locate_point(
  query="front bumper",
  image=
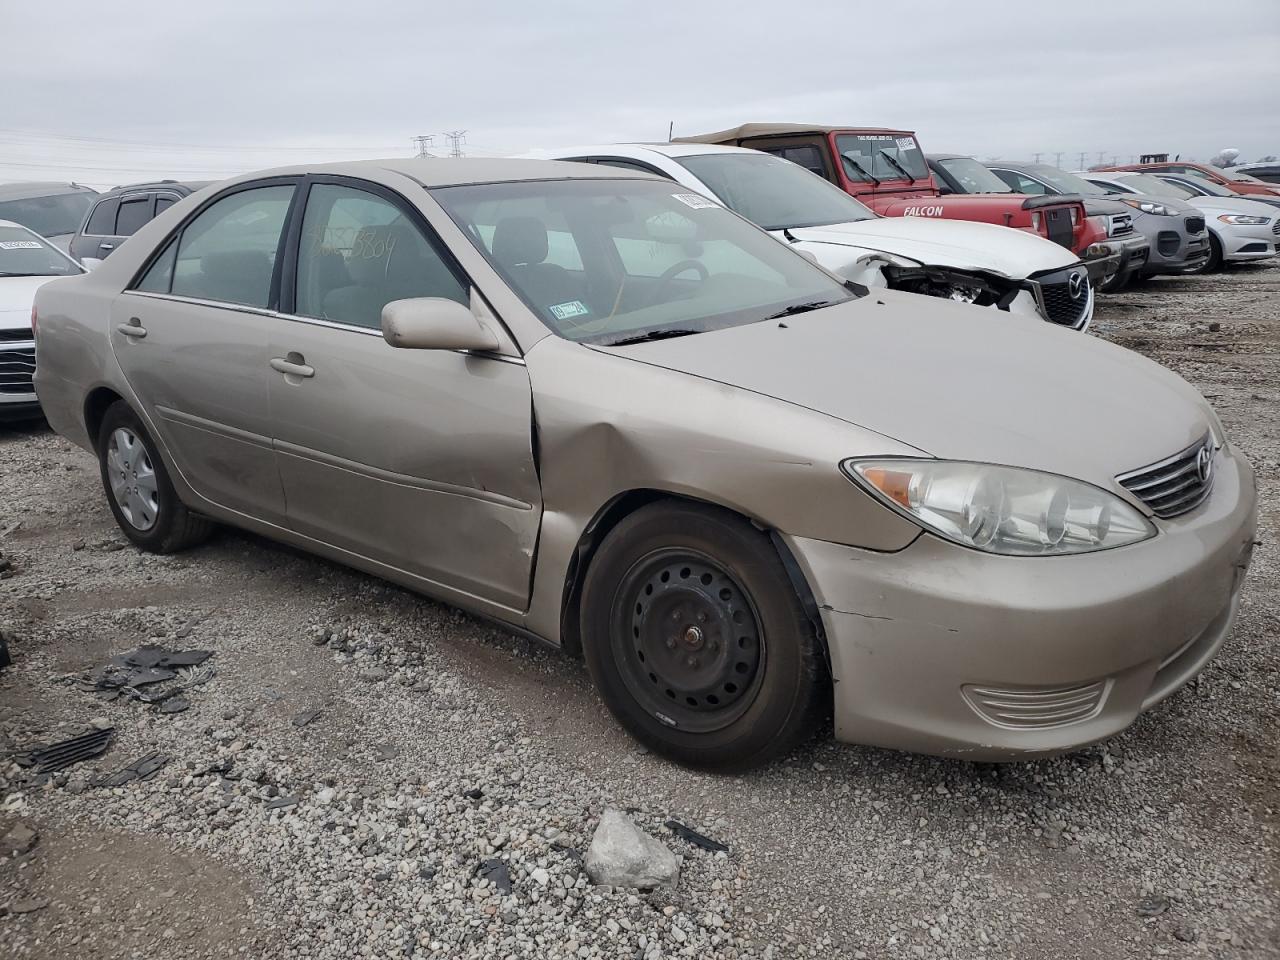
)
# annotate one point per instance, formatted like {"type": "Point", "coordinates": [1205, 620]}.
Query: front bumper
{"type": "Point", "coordinates": [1175, 251]}
{"type": "Point", "coordinates": [1110, 257]}
{"type": "Point", "coordinates": [944, 650]}
{"type": "Point", "coordinates": [1244, 242]}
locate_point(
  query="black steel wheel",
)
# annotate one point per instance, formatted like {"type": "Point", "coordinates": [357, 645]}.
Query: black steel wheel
{"type": "Point", "coordinates": [697, 641]}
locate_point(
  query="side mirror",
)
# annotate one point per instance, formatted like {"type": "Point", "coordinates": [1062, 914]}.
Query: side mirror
{"type": "Point", "coordinates": [90, 263]}
{"type": "Point", "coordinates": [433, 323]}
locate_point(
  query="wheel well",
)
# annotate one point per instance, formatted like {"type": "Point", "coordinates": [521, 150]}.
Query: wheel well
{"type": "Point", "coordinates": [611, 514]}
{"type": "Point", "coordinates": [95, 408]}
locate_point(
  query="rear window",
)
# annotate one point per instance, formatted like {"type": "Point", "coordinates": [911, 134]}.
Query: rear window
{"type": "Point", "coordinates": [52, 216]}
{"type": "Point", "coordinates": [102, 222]}
{"type": "Point", "coordinates": [134, 213]}
{"type": "Point", "coordinates": [885, 156]}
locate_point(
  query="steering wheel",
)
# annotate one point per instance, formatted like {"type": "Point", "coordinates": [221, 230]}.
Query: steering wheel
{"type": "Point", "coordinates": [674, 271]}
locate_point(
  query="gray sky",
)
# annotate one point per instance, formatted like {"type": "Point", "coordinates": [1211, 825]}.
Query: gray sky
{"type": "Point", "coordinates": [107, 93]}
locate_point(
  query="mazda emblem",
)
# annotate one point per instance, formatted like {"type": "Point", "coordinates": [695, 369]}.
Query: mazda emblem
{"type": "Point", "coordinates": [1075, 285]}
{"type": "Point", "coordinates": [1204, 463]}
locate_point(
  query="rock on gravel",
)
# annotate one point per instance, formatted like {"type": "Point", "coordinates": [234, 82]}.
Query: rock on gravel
{"type": "Point", "coordinates": [623, 855]}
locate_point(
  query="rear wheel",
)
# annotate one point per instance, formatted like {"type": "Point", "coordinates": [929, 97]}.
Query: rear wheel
{"type": "Point", "coordinates": [697, 640]}
{"type": "Point", "coordinates": [138, 488]}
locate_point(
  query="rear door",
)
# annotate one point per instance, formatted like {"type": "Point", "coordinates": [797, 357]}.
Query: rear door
{"type": "Point", "coordinates": [191, 338]}
{"type": "Point", "coordinates": [99, 229]}
{"type": "Point", "coordinates": [419, 459]}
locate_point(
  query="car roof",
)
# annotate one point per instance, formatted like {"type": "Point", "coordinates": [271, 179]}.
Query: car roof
{"type": "Point", "coordinates": [623, 149]}
{"type": "Point", "coordinates": [1012, 164]}
{"type": "Point", "coordinates": [455, 171]}
{"type": "Point", "coordinates": [26, 189]}
{"type": "Point", "coordinates": [950, 156]}
{"type": "Point", "coordinates": [781, 129]}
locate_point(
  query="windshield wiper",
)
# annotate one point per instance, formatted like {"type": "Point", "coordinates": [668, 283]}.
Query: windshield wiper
{"type": "Point", "coordinates": [649, 335]}
{"type": "Point", "coordinates": [866, 174]}
{"type": "Point", "coordinates": [800, 308]}
{"type": "Point", "coordinates": [6, 273]}
{"type": "Point", "coordinates": [892, 159]}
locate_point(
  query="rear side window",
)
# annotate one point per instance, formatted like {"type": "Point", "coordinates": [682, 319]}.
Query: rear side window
{"type": "Point", "coordinates": [228, 252]}
{"type": "Point", "coordinates": [358, 252]}
{"type": "Point", "coordinates": [624, 164]}
{"type": "Point", "coordinates": [134, 214]}
{"type": "Point", "coordinates": [102, 222]}
{"type": "Point", "coordinates": [164, 203]}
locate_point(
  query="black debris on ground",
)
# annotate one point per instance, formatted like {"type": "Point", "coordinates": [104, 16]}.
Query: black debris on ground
{"type": "Point", "coordinates": [694, 837]}
{"type": "Point", "coordinates": [5, 657]}
{"type": "Point", "coordinates": [44, 760]}
{"type": "Point", "coordinates": [305, 717]}
{"type": "Point", "coordinates": [497, 873]}
{"type": "Point", "coordinates": [142, 769]}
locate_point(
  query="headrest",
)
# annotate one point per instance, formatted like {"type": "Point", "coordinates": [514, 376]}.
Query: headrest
{"type": "Point", "coordinates": [520, 240]}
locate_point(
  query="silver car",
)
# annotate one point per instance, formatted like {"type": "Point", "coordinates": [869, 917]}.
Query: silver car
{"type": "Point", "coordinates": [747, 492]}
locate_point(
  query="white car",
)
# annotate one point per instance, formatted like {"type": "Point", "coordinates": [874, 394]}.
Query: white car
{"type": "Point", "coordinates": [971, 262]}
{"type": "Point", "coordinates": [1240, 229]}
{"type": "Point", "coordinates": [27, 262]}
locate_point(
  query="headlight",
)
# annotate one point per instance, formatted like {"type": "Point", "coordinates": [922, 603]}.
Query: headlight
{"type": "Point", "coordinates": [1240, 219]}
{"type": "Point", "coordinates": [1004, 510]}
{"type": "Point", "coordinates": [1150, 206]}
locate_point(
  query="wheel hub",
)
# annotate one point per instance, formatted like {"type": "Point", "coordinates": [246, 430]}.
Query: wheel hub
{"type": "Point", "coordinates": [691, 645]}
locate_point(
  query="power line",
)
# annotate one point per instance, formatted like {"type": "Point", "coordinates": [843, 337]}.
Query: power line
{"type": "Point", "coordinates": [155, 144]}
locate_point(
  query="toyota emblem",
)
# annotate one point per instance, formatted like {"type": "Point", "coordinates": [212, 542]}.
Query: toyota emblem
{"type": "Point", "coordinates": [1075, 285]}
{"type": "Point", "coordinates": [1204, 463]}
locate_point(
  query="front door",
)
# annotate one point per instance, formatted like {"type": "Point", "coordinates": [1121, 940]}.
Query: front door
{"type": "Point", "coordinates": [419, 459]}
{"type": "Point", "coordinates": [191, 339]}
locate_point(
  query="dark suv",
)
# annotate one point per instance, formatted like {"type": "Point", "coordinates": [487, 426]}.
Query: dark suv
{"type": "Point", "coordinates": [122, 211]}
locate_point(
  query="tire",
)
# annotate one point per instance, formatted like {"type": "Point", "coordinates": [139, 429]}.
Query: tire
{"type": "Point", "coordinates": [1214, 263]}
{"type": "Point", "coordinates": [697, 641]}
{"type": "Point", "coordinates": [138, 488]}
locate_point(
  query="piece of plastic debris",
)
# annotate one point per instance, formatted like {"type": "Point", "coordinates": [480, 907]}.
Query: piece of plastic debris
{"type": "Point", "coordinates": [694, 837]}
{"type": "Point", "coordinates": [175, 705]}
{"type": "Point", "coordinates": [305, 717]}
{"type": "Point", "coordinates": [142, 769]}
{"type": "Point", "coordinates": [280, 803]}
{"type": "Point", "coordinates": [496, 872]}
{"type": "Point", "coordinates": [475, 793]}
{"type": "Point", "coordinates": [59, 756]}
{"type": "Point", "coordinates": [1152, 906]}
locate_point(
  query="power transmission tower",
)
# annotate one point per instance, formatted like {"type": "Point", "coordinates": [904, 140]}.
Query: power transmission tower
{"type": "Point", "coordinates": [1038, 156]}
{"type": "Point", "coordinates": [456, 138]}
{"type": "Point", "coordinates": [1081, 167]}
{"type": "Point", "coordinates": [1057, 159]}
{"type": "Point", "coordinates": [423, 142]}
{"type": "Point", "coordinates": [1102, 154]}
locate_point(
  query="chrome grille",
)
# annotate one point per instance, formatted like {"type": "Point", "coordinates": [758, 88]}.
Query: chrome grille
{"type": "Point", "coordinates": [16, 368]}
{"type": "Point", "coordinates": [1119, 224]}
{"type": "Point", "coordinates": [1275, 227]}
{"type": "Point", "coordinates": [1036, 708]}
{"type": "Point", "coordinates": [18, 335]}
{"type": "Point", "coordinates": [1057, 305]}
{"type": "Point", "coordinates": [1176, 484]}
{"type": "Point", "coordinates": [1195, 224]}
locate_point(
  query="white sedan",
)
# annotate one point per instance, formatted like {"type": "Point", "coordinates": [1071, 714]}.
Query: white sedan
{"type": "Point", "coordinates": [27, 262]}
{"type": "Point", "coordinates": [978, 263]}
{"type": "Point", "coordinates": [1240, 229]}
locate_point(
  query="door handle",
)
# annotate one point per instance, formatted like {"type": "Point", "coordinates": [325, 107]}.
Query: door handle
{"type": "Point", "coordinates": [106, 246]}
{"type": "Point", "coordinates": [292, 366]}
{"type": "Point", "coordinates": [133, 328]}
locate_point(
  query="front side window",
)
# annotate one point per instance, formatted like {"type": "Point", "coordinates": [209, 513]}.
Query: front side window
{"type": "Point", "coordinates": [134, 214]}
{"type": "Point", "coordinates": [887, 156]}
{"type": "Point", "coordinates": [611, 261]}
{"type": "Point", "coordinates": [358, 253]}
{"type": "Point", "coordinates": [228, 252]}
{"type": "Point", "coordinates": [51, 216]}
{"type": "Point", "coordinates": [23, 254]}
{"type": "Point", "coordinates": [972, 176]}
{"type": "Point", "coordinates": [1063, 182]}
{"type": "Point", "coordinates": [1154, 186]}
{"type": "Point", "coordinates": [1021, 184]}
{"type": "Point", "coordinates": [772, 192]}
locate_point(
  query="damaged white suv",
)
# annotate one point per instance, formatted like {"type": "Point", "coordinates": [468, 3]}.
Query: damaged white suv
{"type": "Point", "coordinates": [979, 263]}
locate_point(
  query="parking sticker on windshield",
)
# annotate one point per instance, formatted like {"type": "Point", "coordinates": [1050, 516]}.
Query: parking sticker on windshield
{"type": "Point", "coordinates": [569, 310]}
{"type": "Point", "coordinates": [19, 245]}
{"type": "Point", "coordinates": [694, 200]}
{"type": "Point", "coordinates": [906, 143]}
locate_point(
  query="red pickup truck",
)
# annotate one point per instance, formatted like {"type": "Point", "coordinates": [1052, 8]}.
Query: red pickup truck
{"type": "Point", "coordinates": [886, 170]}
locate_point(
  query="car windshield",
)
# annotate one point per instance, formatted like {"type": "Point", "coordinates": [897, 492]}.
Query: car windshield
{"type": "Point", "coordinates": [1202, 186]}
{"type": "Point", "coordinates": [773, 193]}
{"type": "Point", "coordinates": [611, 261]}
{"type": "Point", "coordinates": [889, 156]}
{"type": "Point", "coordinates": [1062, 181]}
{"type": "Point", "coordinates": [1154, 186]}
{"type": "Point", "coordinates": [23, 254]}
{"type": "Point", "coordinates": [973, 177]}
{"type": "Point", "coordinates": [51, 216]}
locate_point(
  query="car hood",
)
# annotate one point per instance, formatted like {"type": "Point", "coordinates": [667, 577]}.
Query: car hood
{"type": "Point", "coordinates": [957, 382]}
{"type": "Point", "coordinates": [16, 294]}
{"type": "Point", "coordinates": [959, 244]}
{"type": "Point", "coordinates": [1243, 205]}
{"type": "Point", "coordinates": [1101, 206]}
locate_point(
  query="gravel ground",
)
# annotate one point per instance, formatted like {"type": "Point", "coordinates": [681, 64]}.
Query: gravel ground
{"type": "Point", "coordinates": [441, 743]}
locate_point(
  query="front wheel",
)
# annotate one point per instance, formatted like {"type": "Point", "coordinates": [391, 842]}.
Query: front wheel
{"type": "Point", "coordinates": [138, 488]}
{"type": "Point", "coordinates": [697, 641]}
